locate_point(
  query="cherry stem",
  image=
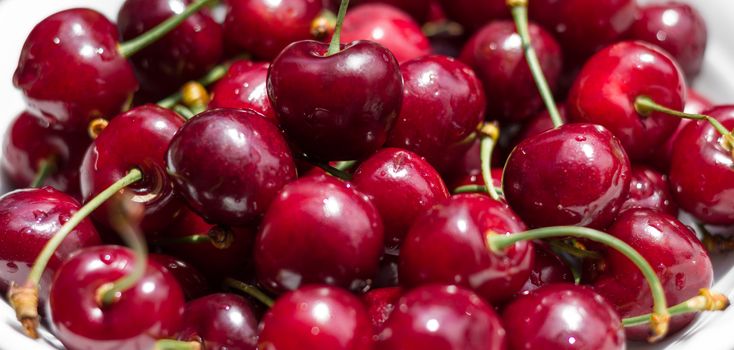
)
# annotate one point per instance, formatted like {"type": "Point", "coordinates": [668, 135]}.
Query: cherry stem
{"type": "Point", "coordinates": [345, 165]}
{"type": "Point", "coordinates": [705, 301]}
{"type": "Point", "coordinates": [183, 111]}
{"type": "Point", "coordinates": [170, 344]}
{"type": "Point", "coordinates": [474, 189]}
{"type": "Point", "coordinates": [210, 78]}
{"type": "Point", "coordinates": [46, 167]}
{"type": "Point", "coordinates": [490, 133]}
{"type": "Point", "coordinates": [573, 249]}
{"type": "Point", "coordinates": [519, 9]}
{"type": "Point", "coordinates": [249, 290]}
{"type": "Point", "coordinates": [192, 239]}
{"type": "Point", "coordinates": [326, 167]}
{"type": "Point", "coordinates": [659, 319]}
{"type": "Point", "coordinates": [133, 46]}
{"type": "Point", "coordinates": [335, 44]}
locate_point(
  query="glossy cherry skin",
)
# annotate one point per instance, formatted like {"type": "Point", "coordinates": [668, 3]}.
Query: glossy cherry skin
{"type": "Point", "coordinates": [548, 269]}
{"type": "Point", "coordinates": [707, 192]}
{"type": "Point", "coordinates": [443, 103]}
{"type": "Point", "coordinates": [220, 322]}
{"type": "Point", "coordinates": [474, 14]}
{"type": "Point", "coordinates": [316, 317]}
{"type": "Point", "coordinates": [672, 249]}
{"type": "Point", "coordinates": [419, 9]}
{"type": "Point", "coordinates": [244, 87]}
{"type": "Point", "coordinates": [625, 71]}
{"type": "Point", "coordinates": [229, 164]}
{"type": "Point", "coordinates": [155, 302]}
{"type": "Point", "coordinates": [650, 189]}
{"type": "Point", "coordinates": [319, 230]}
{"type": "Point", "coordinates": [71, 72]}
{"type": "Point", "coordinates": [264, 28]}
{"type": "Point", "coordinates": [193, 283]}
{"type": "Point", "coordinates": [402, 186]}
{"type": "Point", "coordinates": [28, 220]}
{"type": "Point", "coordinates": [27, 143]}
{"type": "Point", "coordinates": [448, 245]}
{"type": "Point", "coordinates": [577, 174]}
{"type": "Point", "coordinates": [678, 29]}
{"type": "Point", "coordinates": [495, 52]}
{"type": "Point", "coordinates": [186, 53]}
{"type": "Point", "coordinates": [336, 107]}
{"type": "Point", "coordinates": [380, 303]}
{"type": "Point", "coordinates": [135, 139]}
{"type": "Point", "coordinates": [387, 26]}
{"type": "Point", "coordinates": [563, 316]}
{"type": "Point", "coordinates": [440, 317]}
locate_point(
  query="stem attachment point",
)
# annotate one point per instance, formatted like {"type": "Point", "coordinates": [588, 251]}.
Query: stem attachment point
{"type": "Point", "coordinates": [24, 300]}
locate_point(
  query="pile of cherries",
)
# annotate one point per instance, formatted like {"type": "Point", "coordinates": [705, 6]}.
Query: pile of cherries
{"type": "Point", "coordinates": [297, 176]}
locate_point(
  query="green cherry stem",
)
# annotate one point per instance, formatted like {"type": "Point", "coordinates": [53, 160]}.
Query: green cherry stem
{"type": "Point", "coordinates": [704, 301]}
{"type": "Point", "coordinates": [133, 46]}
{"type": "Point", "coordinates": [249, 290]}
{"type": "Point", "coordinates": [325, 167]}
{"type": "Point", "coordinates": [490, 133]}
{"type": "Point", "coordinates": [170, 344]}
{"type": "Point", "coordinates": [183, 111]}
{"type": "Point", "coordinates": [210, 78]}
{"type": "Point", "coordinates": [345, 165]}
{"type": "Point", "coordinates": [218, 236]}
{"type": "Point", "coordinates": [659, 319]}
{"type": "Point", "coordinates": [335, 44]}
{"type": "Point", "coordinates": [473, 189]}
{"type": "Point", "coordinates": [519, 9]}
{"type": "Point", "coordinates": [46, 167]}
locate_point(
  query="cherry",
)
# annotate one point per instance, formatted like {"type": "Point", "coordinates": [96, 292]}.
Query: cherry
{"type": "Point", "coordinates": [136, 139]}
{"type": "Point", "coordinates": [447, 245]}
{"type": "Point", "coordinates": [707, 192]}
{"type": "Point", "coordinates": [336, 106]}
{"type": "Point", "coordinates": [389, 27]}
{"type": "Point", "coordinates": [442, 317]}
{"type": "Point", "coordinates": [678, 29]}
{"type": "Point", "coordinates": [496, 53]}
{"type": "Point", "coordinates": [576, 174]}
{"type": "Point", "coordinates": [671, 248]}
{"type": "Point", "coordinates": [650, 189]}
{"type": "Point", "coordinates": [467, 170]}
{"type": "Point", "coordinates": [402, 186]}
{"type": "Point", "coordinates": [264, 27]}
{"type": "Point", "coordinates": [229, 164]}
{"type": "Point", "coordinates": [319, 230]}
{"type": "Point", "coordinates": [28, 144]}
{"type": "Point", "coordinates": [475, 14]}
{"type": "Point", "coordinates": [548, 269]}
{"type": "Point", "coordinates": [192, 282]}
{"type": "Point", "coordinates": [443, 103]}
{"type": "Point", "coordinates": [220, 322]}
{"type": "Point", "coordinates": [316, 317]}
{"type": "Point", "coordinates": [244, 87]}
{"type": "Point", "coordinates": [563, 316]}
{"type": "Point", "coordinates": [184, 54]}
{"type": "Point", "coordinates": [419, 9]}
{"type": "Point", "coordinates": [155, 302]}
{"type": "Point", "coordinates": [380, 303]}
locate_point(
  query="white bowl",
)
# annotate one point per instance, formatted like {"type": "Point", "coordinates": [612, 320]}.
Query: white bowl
{"type": "Point", "coordinates": [710, 331]}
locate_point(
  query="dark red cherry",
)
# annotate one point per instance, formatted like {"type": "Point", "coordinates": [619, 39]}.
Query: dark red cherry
{"type": "Point", "coordinates": [28, 143]}
{"type": "Point", "coordinates": [496, 54]}
{"type": "Point", "coordinates": [316, 317]}
{"type": "Point", "coordinates": [577, 174]}
{"type": "Point", "coordinates": [380, 303]}
{"type": "Point", "coordinates": [186, 53]}
{"type": "Point", "coordinates": [229, 164]}
{"type": "Point", "coordinates": [419, 9]}
{"type": "Point", "coordinates": [548, 269]}
{"type": "Point", "coordinates": [448, 245]}
{"type": "Point", "coordinates": [28, 220]}
{"type": "Point", "coordinates": [439, 317]}
{"type": "Point", "coordinates": [474, 14]}
{"type": "Point", "coordinates": [193, 283]}
{"type": "Point", "coordinates": [650, 189]}
{"type": "Point", "coordinates": [443, 103]}
{"type": "Point", "coordinates": [402, 186]}
{"type": "Point", "coordinates": [135, 139]}
{"type": "Point", "coordinates": [672, 249]}
{"type": "Point", "coordinates": [563, 316]}
{"type": "Point", "coordinates": [319, 230]}
{"type": "Point", "coordinates": [538, 124]}
{"type": "Point", "coordinates": [244, 87]}
{"type": "Point", "coordinates": [70, 69]}
{"type": "Point", "coordinates": [336, 107]}
{"type": "Point", "coordinates": [708, 191]}
{"type": "Point", "coordinates": [387, 26]}
{"type": "Point", "coordinates": [677, 28]}
{"type": "Point", "coordinates": [220, 322]}
{"type": "Point", "coordinates": [155, 302]}
{"type": "Point", "coordinates": [264, 27]}
{"type": "Point", "coordinates": [626, 71]}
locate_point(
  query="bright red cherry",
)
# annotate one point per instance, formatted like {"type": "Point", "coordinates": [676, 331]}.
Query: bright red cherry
{"type": "Point", "coordinates": [441, 317]}
{"type": "Point", "coordinates": [220, 322]}
{"type": "Point", "coordinates": [419, 9]}
{"type": "Point", "coordinates": [650, 189]}
{"type": "Point", "coordinates": [70, 69]}
{"type": "Point", "coordinates": [380, 303]}
{"type": "Point", "coordinates": [336, 107]}
{"type": "Point", "coordinates": [244, 87]}
{"type": "Point", "coordinates": [402, 186]}
{"type": "Point", "coordinates": [229, 164]}
{"type": "Point", "coordinates": [150, 310]}
{"type": "Point", "coordinates": [576, 174]}
{"type": "Point", "coordinates": [443, 103]}
{"type": "Point", "coordinates": [548, 269]}
{"type": "Point", "coordinates": [319, 230]}
{"type": "Point", "coordinates": [496, 54]}
{"type": "Point", "coordinates": [474, 14]}
{"type": "Point", "coordinates": [316, 317]}
{"type": "Point", "coordinates": [563, 316]}
{"type": "Point", "coordinates": [192, 282]}
{"type": "Point", "coordinates": [448, 245]}
{"type": "Point", "coordinates": [672, 249]}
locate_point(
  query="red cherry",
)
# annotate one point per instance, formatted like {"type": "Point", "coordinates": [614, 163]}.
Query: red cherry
{"type": "Point", "coordinates": [650, 189]}
{"type": "Point", "coordinates": [548, 269]}
{"type": "Point", "coordinates": [220, 322]}
{"type": "Point", "coordinates": [192, 282]}
{"type": "Point", "coordinates": [419, 9]}
{"type": "Point", "coordinates": [244, 87]}
{"type": "Point", "coordinates": [380, 303]}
